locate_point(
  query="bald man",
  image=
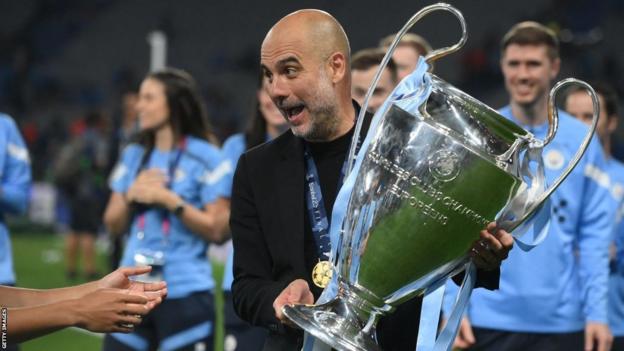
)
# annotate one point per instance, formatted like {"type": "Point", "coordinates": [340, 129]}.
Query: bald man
{"type": "Point", "coordinates": [284, 191]}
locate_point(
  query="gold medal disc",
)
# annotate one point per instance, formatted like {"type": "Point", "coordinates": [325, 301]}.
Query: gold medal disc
{"type": "Point", "coordinates": [322, 274]}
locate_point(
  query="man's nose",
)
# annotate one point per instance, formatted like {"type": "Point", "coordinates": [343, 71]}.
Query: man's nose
{"type": "Point", "coordinates": [277, 89]}
{"type": "Point", "coordinates": [523, 71]}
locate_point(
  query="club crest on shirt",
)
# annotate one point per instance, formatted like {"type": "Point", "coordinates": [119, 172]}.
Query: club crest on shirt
{"type": "Point", "coordinates": [179, 175]}
{"type": "Point", "coordinates": [554, 159]}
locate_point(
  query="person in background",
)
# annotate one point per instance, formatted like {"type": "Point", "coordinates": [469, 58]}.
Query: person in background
{"type": "Point", "coordinates": [165, 189]}
{"type": "Point", "coordinates": [122, 136]}
{"type": "Point", "coordinates": [579, 104]}
{"type": "Point", "coordinates": [364, 66]}
{"type": "Point", "coordinates": [266, 124]}
{"type": "Point", "coordinates": [14, 191]}
{"type": "Point", "coordinates": [555, 296]}
{"type": "Point", "coordinates": [80, 173]}
{"type": "Point", "coordinates": [408, 51]}
{"type": "Point", "coordinates": [115, 303]}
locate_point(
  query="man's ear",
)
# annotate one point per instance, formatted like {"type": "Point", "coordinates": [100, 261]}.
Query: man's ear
{"type": "Point", "coordinates": [554, 69]}
{"type": "Point", "coordinates": [612, 123]}
{"type": "Point", "coordinates": [338, 65]}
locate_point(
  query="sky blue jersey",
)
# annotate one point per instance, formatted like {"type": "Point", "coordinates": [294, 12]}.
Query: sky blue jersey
{"type": "Point", "coordinates": [198, 179]}
{"type": "Point", "coordinates": [233, 147]}
{"type": "Point", "coordinates": [615, 170]}
{"type": "Point", "coordinates": [14, 189]}
{"type": "Point", "coordinates": [562, 283]}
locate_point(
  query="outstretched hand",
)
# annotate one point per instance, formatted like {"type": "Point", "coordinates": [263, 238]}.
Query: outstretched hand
{"type": "Point", "coordinates": [120, 279]}
{"type": "Point", "coordinates": [110, 310]}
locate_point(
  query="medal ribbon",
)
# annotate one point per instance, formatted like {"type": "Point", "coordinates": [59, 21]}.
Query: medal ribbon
{"type": "Point", "coordinates": [315, 205]}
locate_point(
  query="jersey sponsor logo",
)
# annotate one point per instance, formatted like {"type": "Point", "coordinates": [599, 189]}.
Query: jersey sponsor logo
{"type": "Point", "coordinates": [554, 159]}
{"type": "Point", "coordinates": [598, 175]}
{"type": "Point", "coordinates": [223, 169]}
{"type": "Point", "coordinates": [18, 152]}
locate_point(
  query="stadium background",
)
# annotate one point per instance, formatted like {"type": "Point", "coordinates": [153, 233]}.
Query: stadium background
{"type": "Point", "coordinates": [63, 59]}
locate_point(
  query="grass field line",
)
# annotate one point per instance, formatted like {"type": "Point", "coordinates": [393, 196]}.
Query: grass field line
{"type": "Point", "coordinates": [86, 332]}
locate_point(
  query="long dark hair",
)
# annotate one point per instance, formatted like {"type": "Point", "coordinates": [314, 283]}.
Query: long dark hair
{"type": "Point", "coordinates": [187, 112]}
{"type": "Point", "coordinates": [256, 132]}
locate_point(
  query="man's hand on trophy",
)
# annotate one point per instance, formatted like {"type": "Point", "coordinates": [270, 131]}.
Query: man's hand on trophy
{"type": "Point", "coordinates": [297, 292]}
{"type": "Point", "coordinates": [465, 337]}
{"type": "Point", "coordinates": [491, 248]}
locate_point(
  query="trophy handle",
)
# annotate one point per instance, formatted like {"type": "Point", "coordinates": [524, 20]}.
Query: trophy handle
{"type": "Point", "coordinates": [432, 56]}
{"type": "Point", "coordinates": [553, 121]}
{"type": "Point", "coordinates": [534, 153]}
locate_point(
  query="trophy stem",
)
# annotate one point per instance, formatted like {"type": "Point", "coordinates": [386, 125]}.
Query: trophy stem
{"type": "Point", "coordinates": [345, 323]}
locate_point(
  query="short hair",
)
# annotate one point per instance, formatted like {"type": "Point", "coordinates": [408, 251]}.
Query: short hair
{"type": "Point", "coordinates": [367, 58]}
{"type": "Point", "coordinates": [603, 89]}
{"type": "Point", "coordinates": [532, 33]}
{"type": "Point", "coordinates": [415, 41]}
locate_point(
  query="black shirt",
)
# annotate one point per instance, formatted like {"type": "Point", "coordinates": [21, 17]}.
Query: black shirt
{"type": "Point", "coordinates": [329, 158]}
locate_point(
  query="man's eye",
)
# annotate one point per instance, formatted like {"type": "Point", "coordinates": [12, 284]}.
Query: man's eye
{"type": "Point", "coordinates": [290, 71]}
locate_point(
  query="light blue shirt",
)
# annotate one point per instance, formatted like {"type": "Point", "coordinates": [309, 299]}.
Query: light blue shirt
{"type": "Point", "coordinates": [198, 179]}
{"type": "Point", "coordinates": [562, 283]}
{"type": "Point", "coordinates": [14, 188]}
{"type": "Point", "coordinates": [615, 170]}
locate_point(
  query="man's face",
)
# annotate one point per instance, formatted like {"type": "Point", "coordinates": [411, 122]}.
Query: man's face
{"type": "Point", "coordinates": [528, 72]}
{"type": "Point", "coordinates": [579, 104]}
{"type": "Point", "coordinates": [361, 81]}
{"type": "Point", "coordinates": [299, 83]}
{"type": "Point", "coordinates": [406, 59]}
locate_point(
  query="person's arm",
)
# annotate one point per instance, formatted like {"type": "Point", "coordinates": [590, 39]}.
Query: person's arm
{"type": "Point", "coordinates": [594, 237]}
{"type": "Point", "coordinates": [118, 279]}
{"type": "Point", "coordinates": [210, 222]}
{"type": "Point", "coordinates": [118, 214]}
{"type": "Point", "coordinates": [254, 289]}
{"type": "Point", "coordinates": [105, 310]}
{"type": "Point", "coordinates": [112, 304]}
{"type": "Point", "coordinates": [16, 176]}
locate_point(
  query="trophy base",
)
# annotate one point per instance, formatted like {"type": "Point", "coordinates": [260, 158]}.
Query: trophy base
{"type": "Point", "coordinates": [335, 324]}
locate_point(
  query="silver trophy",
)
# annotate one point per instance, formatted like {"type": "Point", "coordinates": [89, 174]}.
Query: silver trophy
{"type": "Point", "coordinates": [438, 167]}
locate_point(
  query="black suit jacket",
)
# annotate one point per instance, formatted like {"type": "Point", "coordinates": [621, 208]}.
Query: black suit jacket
{"type": "Point", "coordinates": [267, 223]}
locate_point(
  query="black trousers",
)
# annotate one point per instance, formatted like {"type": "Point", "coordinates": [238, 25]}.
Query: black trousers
{"type": "Point", "coordinates": [618, 343]}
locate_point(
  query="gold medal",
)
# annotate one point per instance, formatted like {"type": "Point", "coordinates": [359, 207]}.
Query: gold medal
{"type": "Point", "coordinates": [322, 274]}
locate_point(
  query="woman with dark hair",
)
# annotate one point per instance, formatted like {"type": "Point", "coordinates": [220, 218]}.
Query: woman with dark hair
{"type": "Point", "coordinates": [168, 194]}
{"type": "Point", "coordinates": [266, 124]}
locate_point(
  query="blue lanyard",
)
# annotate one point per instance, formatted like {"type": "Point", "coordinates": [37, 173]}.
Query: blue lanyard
{"type": "Point", "coordinates": [166, 223]}
{"type": "Point", "coordinates": [315, 205]}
